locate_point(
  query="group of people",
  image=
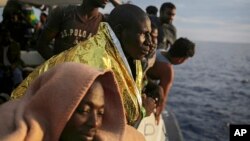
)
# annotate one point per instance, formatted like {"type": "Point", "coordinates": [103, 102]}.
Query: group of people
{"type": "Point", "coordinates": [170, 51]}
{"type": "Point", "coordinates": [103, 75]}
{"type": "Point", "coordinates": [19, 31]}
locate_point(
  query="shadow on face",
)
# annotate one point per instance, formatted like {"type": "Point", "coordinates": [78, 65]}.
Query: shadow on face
{"type": "Point", "coordinates": [132, 30]}
{"type": "Point", "coordinates": [154, 35]}
{"type": "Point", "coordinates": [167, 16]}
{"type": "Point", "coordinates": [136, 39]}
{"type": "Point", "coordinates": [87, 118]}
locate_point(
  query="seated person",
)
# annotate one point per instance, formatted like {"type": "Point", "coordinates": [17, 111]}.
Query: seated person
{"type": "Point", "coordinates": [163, 69]}
{"type": "Point", "coordinates": [10, 62]}
{"type": "Point", "coordinates": [82, 103]}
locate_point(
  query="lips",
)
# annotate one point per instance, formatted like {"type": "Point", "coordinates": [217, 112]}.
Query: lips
{"type": "Point", "coordinates": [88, 135]}
{"type": "Point", "coordinates": [87, 138]}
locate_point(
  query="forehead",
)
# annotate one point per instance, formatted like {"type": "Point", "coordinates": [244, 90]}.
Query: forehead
{"type": "Point", "coordinates": [142, 26]}
{"type": "Point", "coordinates": [95, 95]}
{"type": "Point", "coordinates": [169, 10]}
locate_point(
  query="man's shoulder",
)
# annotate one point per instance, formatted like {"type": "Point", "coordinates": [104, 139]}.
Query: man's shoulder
{"type": "Point", "coordinates": [166, 25]}
{"type": "Point", "coordinates": [64, 10]}
{"type": "Point", "coordinates": [169, 28]}
{"type": "Point", "coordinates": [173, 27]}
{"type": "Point", "coordinates": [155, 20]}
{"type": "Point", "coordinates": [69, 8]}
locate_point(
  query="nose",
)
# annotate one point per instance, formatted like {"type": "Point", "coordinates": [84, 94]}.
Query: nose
{"type": "Point", "coordinates": [148, 41]}
{"type": "Point", "coordinates": [94, 120]}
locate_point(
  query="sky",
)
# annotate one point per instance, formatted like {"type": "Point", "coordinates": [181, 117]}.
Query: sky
{"type": "Point", "coordinates": [207, 20]}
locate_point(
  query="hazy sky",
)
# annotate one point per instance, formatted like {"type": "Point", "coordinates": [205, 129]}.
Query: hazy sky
{"type": "Point", "coordinates": [207, 20]}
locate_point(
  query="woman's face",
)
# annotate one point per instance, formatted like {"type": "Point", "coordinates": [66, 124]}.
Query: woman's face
{"type": "Point", "coordinates": [87, 117]}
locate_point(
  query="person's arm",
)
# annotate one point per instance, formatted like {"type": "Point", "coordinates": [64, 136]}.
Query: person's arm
{"type": "Point", "coordinates": [14, 52]}
{"type": "Point", "coordinates": [165, 73]}
{"type": "Point", "coordinates": [149, 104]}
{"type": "Point", "coordinates": [49, 32]}
{"type": "Point", "coordinates": [166, 78]}
{"type": "Point", "coordinates": [116, 3]}
{"type": "Point", "coordinates": [43, 43]}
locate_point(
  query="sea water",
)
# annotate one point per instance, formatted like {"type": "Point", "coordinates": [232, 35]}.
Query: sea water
{"type": "Point", "coordinates": [212, 90]}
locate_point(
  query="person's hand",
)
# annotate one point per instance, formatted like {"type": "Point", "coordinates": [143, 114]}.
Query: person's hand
{"type": "Point", "coordinates": [160, 106]}
{"type": "Point", "coordinates": [157, 115]}
{"type": "Point", "coordinates": [156, 92]}
{"type": "Point", "coordinates": [116, 2]}
{"type": "Point", "coordinates": [149, 104]}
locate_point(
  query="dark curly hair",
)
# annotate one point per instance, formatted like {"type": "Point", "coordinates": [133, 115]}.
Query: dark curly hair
{"type": "Point", "coordinates": [167, 5]}
{"type": "Point", "coordinates": [152, 10]}
{"type": "Point", "coordinates": [182, 47]}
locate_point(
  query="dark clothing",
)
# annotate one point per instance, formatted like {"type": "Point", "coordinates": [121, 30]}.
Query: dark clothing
{"type": "Point", "coordinates": [68, 26]}
{"type": "Point", "coordinates": [13, 54]}
{"type": "Point", "coordinates": [166, 36]}
{"type": "Point", "coordinates": [12, 7]}
{"type": "Point", "coordinates": [19, 19]}
{"type": "Point", "coordinates": [10, 63]}
{"type": "Point", "coordinates": [155, 20]}
{"type": "Point", "coordinates": [132, 66]}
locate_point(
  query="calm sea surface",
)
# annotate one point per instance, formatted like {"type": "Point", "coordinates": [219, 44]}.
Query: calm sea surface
{"type": "Point", "coordinates": [212, 90]}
